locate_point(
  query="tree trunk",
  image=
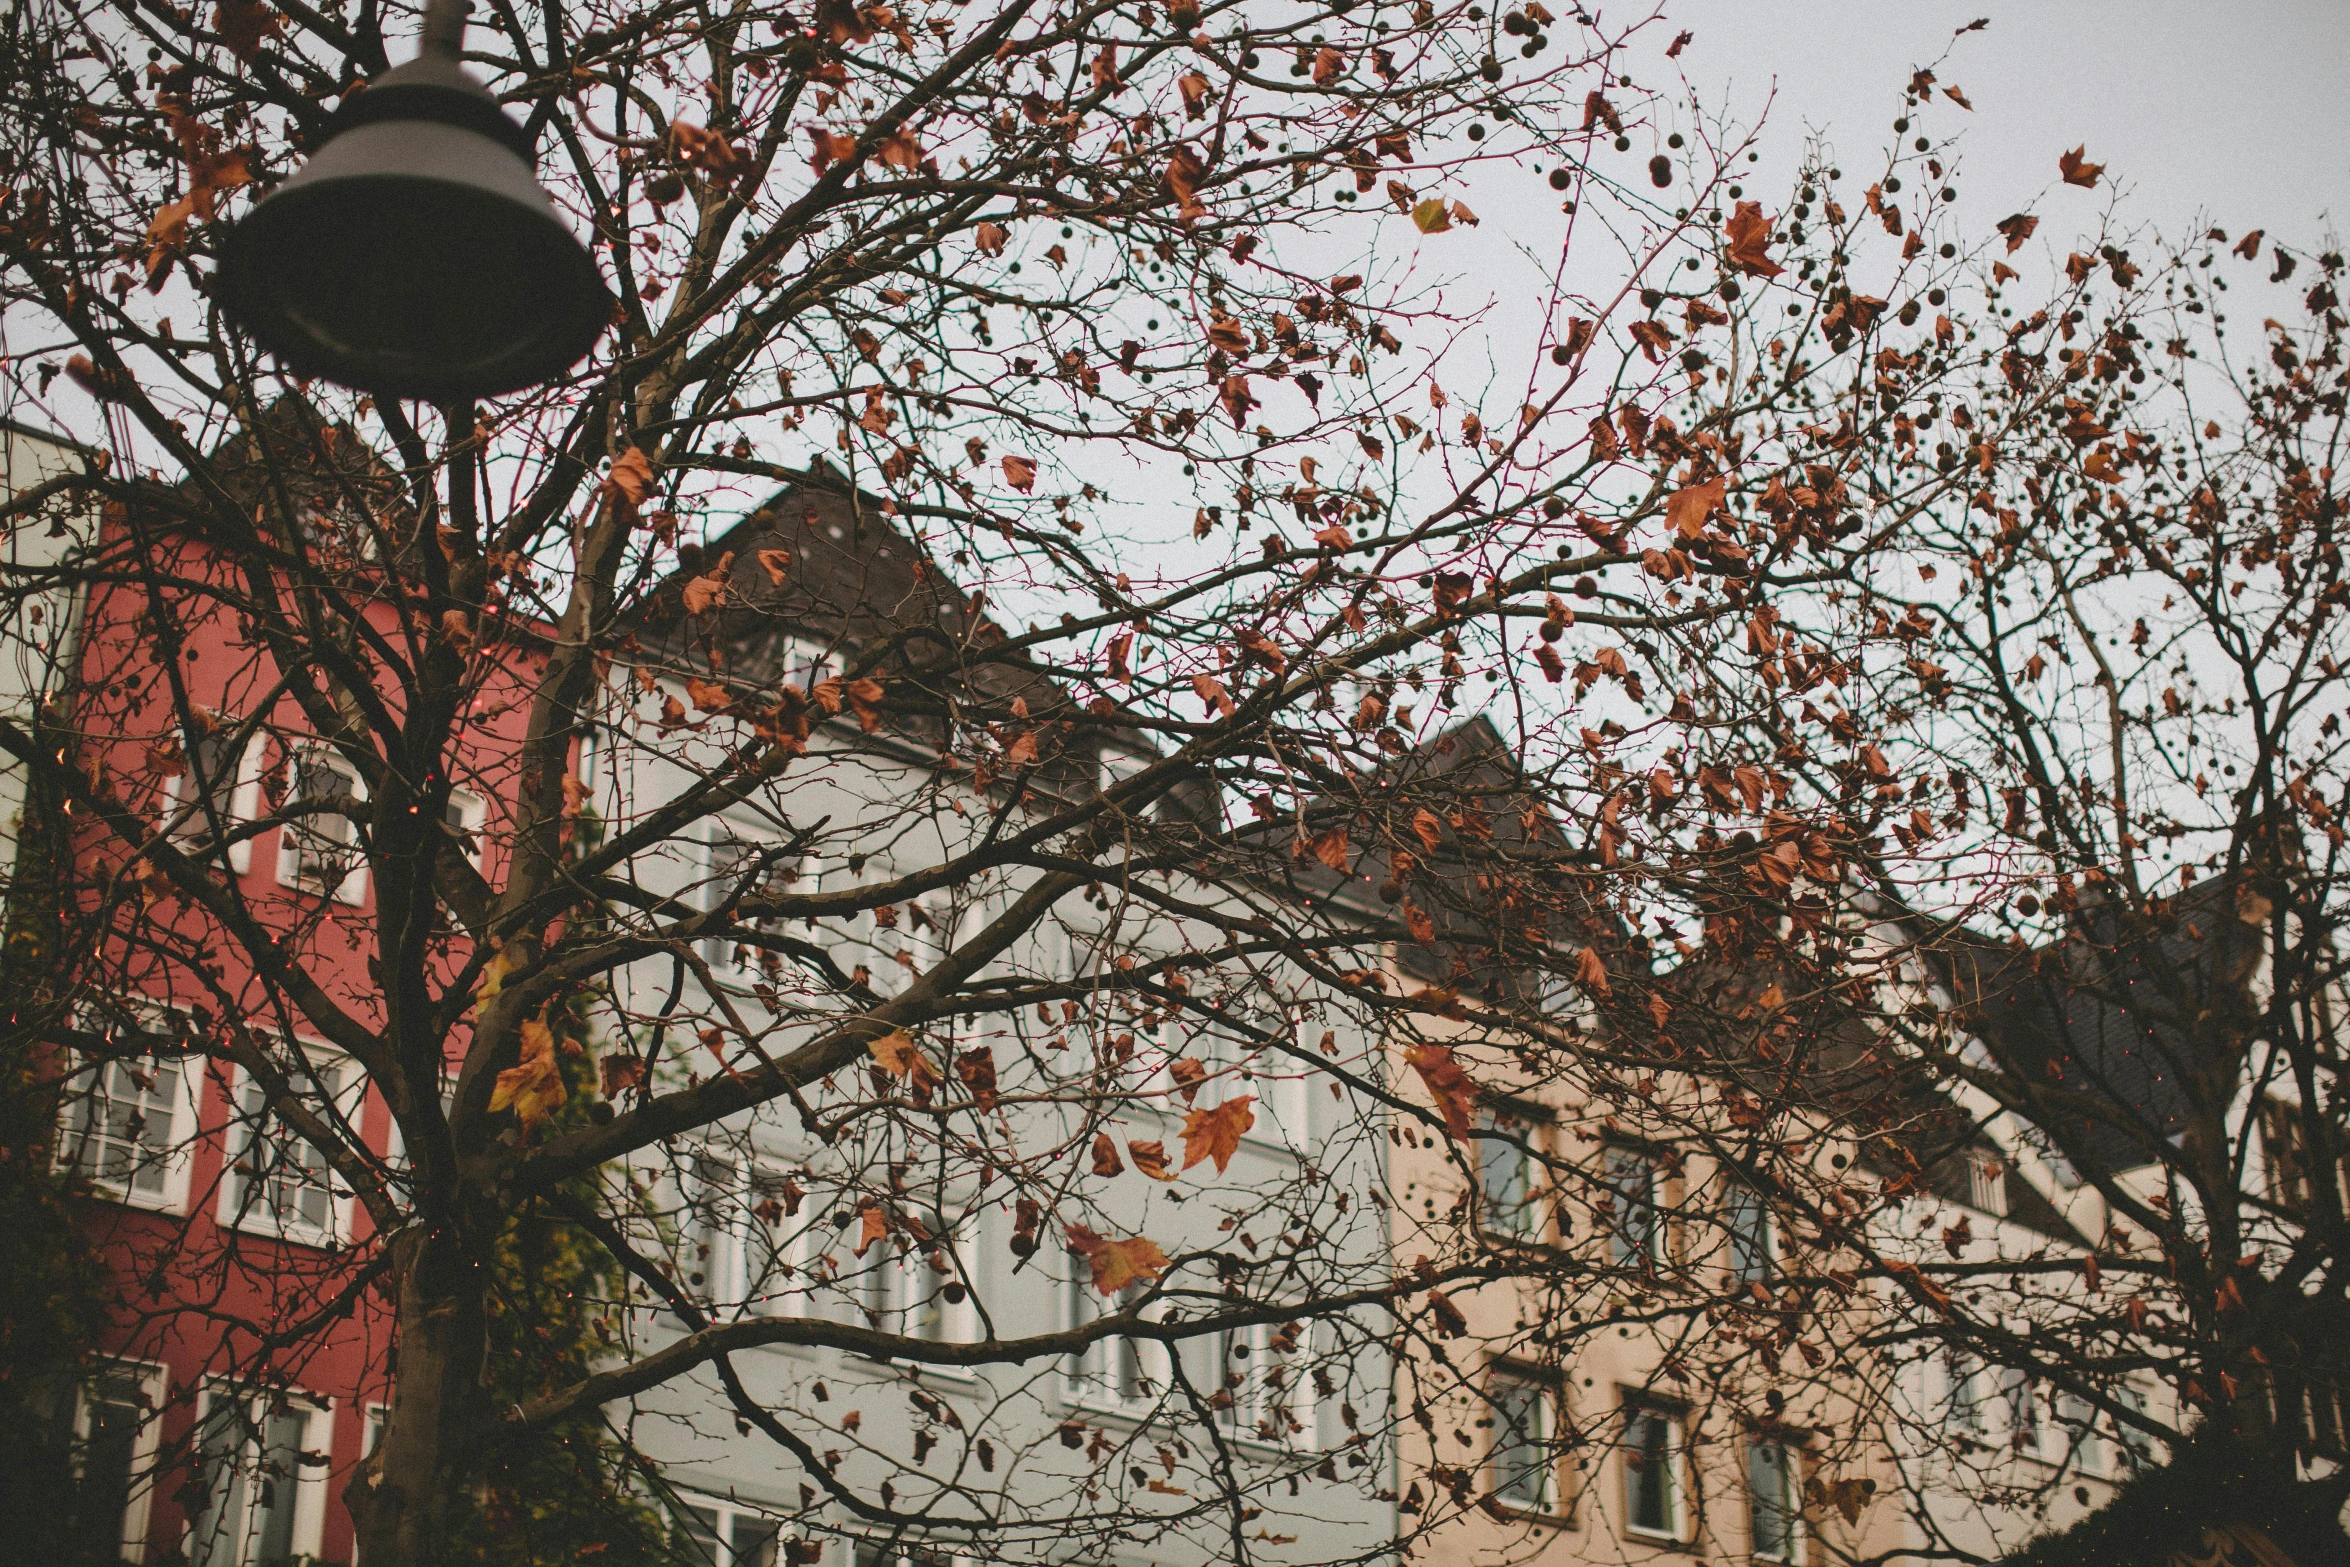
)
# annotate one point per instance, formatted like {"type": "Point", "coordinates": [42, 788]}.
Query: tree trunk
{"type": "Point", "coordinates": [400, 1497]}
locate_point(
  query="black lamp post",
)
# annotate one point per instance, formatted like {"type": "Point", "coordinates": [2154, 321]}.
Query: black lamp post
{"type": "Point", "coordinates": [415, 255]}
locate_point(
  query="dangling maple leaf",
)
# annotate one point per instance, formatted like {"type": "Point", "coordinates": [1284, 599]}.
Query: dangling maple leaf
{"type": "Point", "coordinates": [1020, 474]}
{"type": "Point", "coordinates": [533, 1087]}
{"type": "Point", "coordinates": [1106, 1162]}
{"type": "Point", "coordinates": [1749, 232]}
{"type": "Point", "coordinates": [1117, 1264]}
{"type": "Point", "coordinates": [1688, 509]}
{"type": "Point", "coordinates": [1151, 1159]}
{"type": "Point", "coordinates": [630, 481]}
{"type": "Point", "coordinates": [2018, 228]}
{"type": "Point", "coordinates": [1449, 1084]}
{"type": "Point", "coordinates": [2077, 169]}
{"type": "Point", "coordinates": [1215, 1134]}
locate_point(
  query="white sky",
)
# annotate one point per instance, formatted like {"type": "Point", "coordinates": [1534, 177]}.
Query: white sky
{"type": "Point", "coordinates": [2232, 108]}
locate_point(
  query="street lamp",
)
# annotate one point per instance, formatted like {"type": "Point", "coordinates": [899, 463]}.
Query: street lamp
{"type": "Point", "coordinates": [415, 255]}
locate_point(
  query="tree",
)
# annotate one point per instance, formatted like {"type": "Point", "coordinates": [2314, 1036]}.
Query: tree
{"type": "Point", "coordinates": [369, 640]}
{"type": "Point", "coordinates": [2139, 670]}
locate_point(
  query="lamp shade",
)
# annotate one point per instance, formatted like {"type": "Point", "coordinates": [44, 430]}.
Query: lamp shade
{"type": "Point", "coordinates": [415, 255]}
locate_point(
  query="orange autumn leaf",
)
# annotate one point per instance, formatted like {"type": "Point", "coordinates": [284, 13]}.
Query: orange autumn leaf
{"type": "Point", "coordinates": [1151, 1159]}
{"type": "Point", "coordinates": [1331, 848]}
{"type": "Point", "coordinates": [989, 238]}
{"type": "Point", "coordinates": [896, 1053]}
{"type": "Point", "coordinates": [1449, 1084]}
{"type": "Point", "coordinates": [1211, 691]}
{"type": "Point", "coordinates": [1188, 1075]}
{"type": "Point", "coordinates": [1020, 474]}
{"type": "Point", "coordinates": [2018, 227]}
{"type": "Point", "coordinates": [1431, 216]}
{"type": "Point", "coordinates": [1184, 172]}
{"type": "Point", "coordinates": [1215, 1134]}
{"type": "Point", "coordinates": [620, 1072]}
{"type": "Point", "coordinates": [1428, 828]}
{"type": "Point", "coordinates": [1591, 971]}
{"type": "Point", "coordinates": [1688, 509]}
{"type": "Point", "coordinates": [775, 563]}
{"type": "Point", "coordinates": [1106, 1162]}
{"type": "Point", "coordinates": [1116, 1264]}
{"type": "Point", "coordinates": [2077, 169]}
{"type": "Point", "coordinates": [874, 1228]}
{"type": "Point", "coordinates": [1749, 234]}
{"type": "Point", "coordinates": [976, 1067]}
{"type": "Point", "coordinates": [1416, 919]}
{"type": "Point", "coordinates": [533, 1087]}
{"type": "Point", "coordinates": [244, 25]}
{"type": "Point", "coordinates": [864, 698]}
{"type": "Point", "coordinates": [629, 483]}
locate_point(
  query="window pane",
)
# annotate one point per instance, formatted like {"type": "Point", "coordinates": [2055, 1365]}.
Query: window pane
{"type": "Point", "coordinates": [1521, 1441]}
{"type": "Point", "coordinates": [1635, 1235]}
{"type": "Point", "coordinates": [1649, 1462]}
{"type": "Point", "coordinates": [1507, 1174]}
{"type": "Point", "coordinates": [1750, 1235]}
{"type": "Point", "coordinates": [277, 1489]}
{"type": "Point", "coordinates": [213, 1542]}
{"type": "Point", "coordinates": [697, 1528]}
{"type": "Point", "coordinates": [102, 1489]}
{"type": "Point", "coordinates": [122, 1130]}
{"type": "Point", "coordinates": [1770, 1482]}
{"type": "Point", "coordinates": [279, 1174]}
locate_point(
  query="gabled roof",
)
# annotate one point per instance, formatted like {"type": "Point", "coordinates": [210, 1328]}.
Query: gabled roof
{"type": "Point", "coordinates": [2137, 1010]}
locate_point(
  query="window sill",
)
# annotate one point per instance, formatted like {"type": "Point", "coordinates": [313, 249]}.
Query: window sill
{"type": "Point", "coordinates": [302, 1235]}
{"type": "Point", "coordinates": [125, 1197]}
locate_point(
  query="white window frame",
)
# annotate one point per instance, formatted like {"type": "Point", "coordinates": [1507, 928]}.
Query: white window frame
{"type": "Point", "coordinates": [1741, 1198]}
{"type": "Point", "coordinates": [2019, 1393]}
{"type": "Point", "coordinates": [244, 792]}
{"type": "Point", "coordinates": [887, 1290]}
{"type": "Point", "coordinates": [310, 1480]}
{"type": "Point", "coordinates": [342, 1079]}
{"type": "Point", "coordinates": [89, 1088]}
{"type": "Point", "coordinates": [2078, 1419]}
{"type": "Point", "coordinates": [1093, 1377]}
{"type": "Point", "coordinates": [1551, 1397]}
{"type": "Point", "coordinates": [1987, 1184]}
{"type": "Point", "coordinates": [1676, 1476]}
{"type": "Point", "coordinates": [1527, 1221]}
{"type": "Point", "coordinates": [1788, 1504]}
{"type": "Point", "coordinates": [148, 1383]}
{"type": "Point", "coordinates": [717, 876]}
{"type": "Point", "coordinates": [469, 814]}
{"type": "Point", "coordinates": [1616, 1159]}
{"type": "Point", "coordinates": [725, 1518]}
{"type": "Point", "coordinates": [1962, 1383]}
{"type": "Point", "coordinates": [298, 869]}
{"type": "Point", "coordinates": [1255, 1402]}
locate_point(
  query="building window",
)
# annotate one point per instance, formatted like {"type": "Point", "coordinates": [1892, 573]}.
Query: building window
{"type": "Point", "coordinates": [1118, 1371]}
{"type": "Point", "coordinates": [2284, 1143]}
{"type": "Point", "coordinates": [319, 848]}
{"type": "Point", "coordinates": [2079, 1420]}
{"type": "Point", "coordinates": [2021, 1394]}
{"type": "Point", "coordinates": [729, 857]}
{"type": "Point", "coordinates": [739, 1237]}
{"type": "Point", "coordinates": [713, 1533]}
{"type": "Point", "coordinates": [1962, 1379]}
{"type": "Point", "coordinates": [2134, 1447]}
{"type": "Point", "coordinates": [1525, 1433]}
{"type": "Point", "coordinates": [1250, 1389]}
{"type": "Point", "coordinates": [126, 1122]}
{"type": "Point", "coordinates": [1509, 1171]}
{"type": "Point", "coordinates": [1987, 1184]}
{"type": "Point", "coordinates": [1774, 1500]}
{"type": "Point", "coordinates": [922, 1292]}
{"type": "Point", "coordinates": [467, 817]}
{"type": "Point", "coordinates": [1754, 1238]}
{"type": "Point", "coordinates": [262, 1480]}
{"type": "Point", "coordinates": [113, 1456]}
{"type": "Point", "coordinates": [220, 788]}
{"type": "Point", "coordinates": [1636, 1232]}
{"type": "Point", "coordinates": [1652, 1472]}
{"type": "Point", "coordinates": [278, 1180]}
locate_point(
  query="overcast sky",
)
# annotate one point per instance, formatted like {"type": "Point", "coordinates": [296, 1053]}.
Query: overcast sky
{"type": "Point", "coordinates": [2235, 109]}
